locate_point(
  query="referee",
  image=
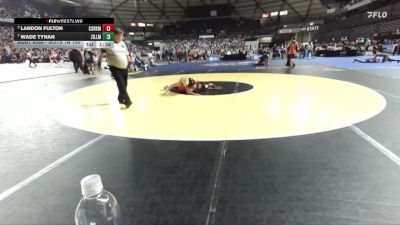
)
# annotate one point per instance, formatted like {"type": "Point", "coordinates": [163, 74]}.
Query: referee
{"type": "Point", "coordinates": [117, 59]}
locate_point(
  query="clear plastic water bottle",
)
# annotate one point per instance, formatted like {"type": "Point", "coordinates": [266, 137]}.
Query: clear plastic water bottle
{"type": "Point", "coordinates": [98, 206]}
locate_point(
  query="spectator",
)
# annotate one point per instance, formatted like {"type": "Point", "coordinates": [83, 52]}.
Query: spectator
{"type": "Point", "coordinates": [76, 58]}
{"type": "Point", "coordinates": [396, 49]}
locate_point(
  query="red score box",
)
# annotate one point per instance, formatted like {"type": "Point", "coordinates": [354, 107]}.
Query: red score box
{"type": "Point", "coordinates": [108, 27]}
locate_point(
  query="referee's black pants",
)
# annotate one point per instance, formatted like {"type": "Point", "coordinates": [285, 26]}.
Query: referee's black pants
{"type": "Point", "coordinates": [78, 65]}
{"type": "Point", "coordinates": [121, 77]}
{"type": "Point", "coordinates": [31, 60]}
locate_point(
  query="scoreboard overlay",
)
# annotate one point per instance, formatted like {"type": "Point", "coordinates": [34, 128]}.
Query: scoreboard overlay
{"type": "Point", "coordinates": [64, 32]}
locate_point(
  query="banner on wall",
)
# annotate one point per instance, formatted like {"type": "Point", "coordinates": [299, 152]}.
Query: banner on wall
{"type": "Point", "coordinates": [298, 29]}
{"type": "Point", "coordinates": [206, 36]}
{"type": "Point", "coordinates": [6, 20]}
{"type": "Point", "coordinates": [265, 40]}
{"type": "Point", "coordinates": [214, 58]}
{"type": "Point", "coordinates": [288, 30]}
{"type": "Point", "coordinates": [309, 28]}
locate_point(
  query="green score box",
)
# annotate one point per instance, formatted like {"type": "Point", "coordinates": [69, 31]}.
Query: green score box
{"type": "Point", "coordinates": [108, 36]}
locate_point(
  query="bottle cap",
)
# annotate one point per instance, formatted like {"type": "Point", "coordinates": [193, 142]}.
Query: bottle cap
{"type": "Point", "coordinates": [91, 185]}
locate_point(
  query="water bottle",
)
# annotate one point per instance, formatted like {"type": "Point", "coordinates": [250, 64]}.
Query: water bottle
{"type": "Point", "coordinates": [98, 206]}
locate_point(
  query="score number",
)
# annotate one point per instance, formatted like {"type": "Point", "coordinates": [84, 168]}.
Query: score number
{"type": "Point", "coordinates": [108, 36]}
{"type": "Point", "coordinates": [108, 32]}
{"type": "Point", "coordinates": [108, 27]}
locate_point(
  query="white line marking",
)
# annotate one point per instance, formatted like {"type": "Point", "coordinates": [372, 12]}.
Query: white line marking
{"type": "Point", "coordinates": [47, 169]}
{"type": "Point", "coordinates": [377, 145]}
{"type": "Point", "coordinates": [375, 68]}
{"type": "Point", "coordinates": [391, 95]}
{"type": "Point", "coordinates": [213, 207]}
{"type": "Point", "coordinates": [32, 78]}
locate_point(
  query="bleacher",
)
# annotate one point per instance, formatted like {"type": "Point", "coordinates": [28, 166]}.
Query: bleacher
{"type": "Point", "coordinates": [359, 25]}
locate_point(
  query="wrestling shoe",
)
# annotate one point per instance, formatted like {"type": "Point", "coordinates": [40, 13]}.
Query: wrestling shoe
{"type": "Point", "coordinates": [211, 86]}
{"type": "Point", "coordinates": [128, 104]}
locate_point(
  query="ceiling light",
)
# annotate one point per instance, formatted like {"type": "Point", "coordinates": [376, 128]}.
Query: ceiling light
{"type": "Point", "coordinates": [71, 2]}
{"type": "Point", "coordinates": [283, 13]}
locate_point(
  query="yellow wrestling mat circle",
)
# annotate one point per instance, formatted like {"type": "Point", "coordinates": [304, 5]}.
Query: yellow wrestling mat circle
{"type": "Point", "coordinates": [279, 105]}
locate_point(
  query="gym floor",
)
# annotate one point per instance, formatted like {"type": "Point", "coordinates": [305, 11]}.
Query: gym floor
{"type": "Point", "coordinates": [337, 174]}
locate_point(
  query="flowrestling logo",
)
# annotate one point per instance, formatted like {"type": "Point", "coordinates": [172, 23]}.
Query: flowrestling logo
{"type": "Point", "coordinates": [375, 14]}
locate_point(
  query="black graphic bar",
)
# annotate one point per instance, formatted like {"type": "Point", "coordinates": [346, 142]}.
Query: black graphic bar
{"type": "Point", "coordinates": [58, 28]}
{"type": "Point", "coordinates": [64, 21]}
{"type": "Point", "coordinates": [54, 36]}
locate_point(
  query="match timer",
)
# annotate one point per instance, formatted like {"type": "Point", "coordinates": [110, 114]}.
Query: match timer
{"type": "Point", "coordinates": [64, 32]}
